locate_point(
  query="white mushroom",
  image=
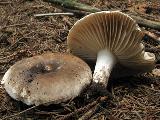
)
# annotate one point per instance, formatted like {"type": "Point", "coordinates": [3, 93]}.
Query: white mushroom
{"type": "Point", "coordinates": [110, 38]}
{"type": "Point", "coordinates": [48, 78]}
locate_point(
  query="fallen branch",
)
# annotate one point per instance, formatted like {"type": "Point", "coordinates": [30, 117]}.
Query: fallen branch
{"type": "Point", "coordinates": [152, 35]}
{"type": "Point", "coordinates": [146, 23]}
{"type": "Point", "coordinates": [137, 8]}
{"type": "Point", "coordinates": [53, 14]}
{"type": "Point", "coordinates": [73, 4]}
{"type": "Point", "coordinates": [79, 6]}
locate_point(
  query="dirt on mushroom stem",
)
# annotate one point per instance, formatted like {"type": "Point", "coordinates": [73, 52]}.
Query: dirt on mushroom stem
{"type": "Point", "coordinates": [25, 36]}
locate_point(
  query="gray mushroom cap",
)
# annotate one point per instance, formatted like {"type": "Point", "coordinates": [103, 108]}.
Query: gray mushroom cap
{"type": "Point", "coordinates": [48, 78]}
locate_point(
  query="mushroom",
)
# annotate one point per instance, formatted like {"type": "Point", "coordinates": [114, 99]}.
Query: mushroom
{"type": "Point", "coordinates": [110, 38]}
{"type": "Point", "coordinates": [46, 79]}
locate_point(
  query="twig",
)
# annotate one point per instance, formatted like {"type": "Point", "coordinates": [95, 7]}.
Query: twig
{"type": "Point", "coordinates": [147, 44]}
{"type": "Point", "coordinates": [48, 113]}
{"type": "Point", "coordinates": [52, 14]}
{"type": "Point", "coordinates": [137, 9]}
{"type": "Point", "coordinates": [152, 35]}
{"type": "Point", "coordinates": [146, 23]}
{"type": "Point", "coordinates": [153, 49]}
{"type": "Point", "coordinates": [143, 86]}
{"type": "Point", "coordinates": [87, 107]}
{"type": "Point", "coordinates": [16, 114]}
{"type": "Point", "coordinates": [4, 3]}
{"type": "Point", "coordinates": [24, 36]}
{"type": "Point", "coordinates": [89, 113]}
{"type": "Point", "coordinates": [21, 24]}
{"type": "Point", "coordinates": [74, 4]}
{"type": "Point", "coordinates": [78, 111]}
{"type": "Point", "coordinates": [76, 12]}
{"type": "Point", "coordinates": [79, 6]}
{"type": "Point", "coordinates": [93, 110]}
{"type": "Point", "coordinates": [138, 115]}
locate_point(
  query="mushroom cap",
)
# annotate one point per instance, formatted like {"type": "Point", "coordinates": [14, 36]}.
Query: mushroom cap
{"type": "Point", "coordinates": [48, 78]}
{"type": "Point", "coordinates": [115, 32]}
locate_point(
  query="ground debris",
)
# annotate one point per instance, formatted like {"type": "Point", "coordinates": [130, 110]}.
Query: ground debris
{"type": "Point", "coordinates": [23, 35]}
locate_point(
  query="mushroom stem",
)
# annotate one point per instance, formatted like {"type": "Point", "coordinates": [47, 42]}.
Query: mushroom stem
{"type": "Point", "coordinates": [104, 65]}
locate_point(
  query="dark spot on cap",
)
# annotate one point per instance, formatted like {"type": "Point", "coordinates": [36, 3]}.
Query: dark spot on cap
{"type": "Point", "coordinates": [30, 80]}
{"type": "Point", "coordinates": [28, 92]}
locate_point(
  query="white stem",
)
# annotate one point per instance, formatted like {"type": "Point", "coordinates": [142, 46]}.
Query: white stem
{"type": "Point", "coordinates": [104, 65]}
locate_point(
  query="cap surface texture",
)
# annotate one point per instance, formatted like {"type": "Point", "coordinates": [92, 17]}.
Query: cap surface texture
{"type": "Point", "coordinates": [48, 78]}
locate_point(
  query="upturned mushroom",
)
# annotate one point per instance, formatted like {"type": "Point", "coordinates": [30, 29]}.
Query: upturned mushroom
{"type": "Point", "coordinates": [110, 38]}
{"type": "Point", "coordinates": [48, 78]}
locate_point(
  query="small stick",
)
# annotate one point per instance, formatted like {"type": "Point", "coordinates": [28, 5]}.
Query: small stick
{"type": "Point", "coordinates": [153, 49]}
{"type": "Point", "coordinates": [78, 111]}
{"type": "Point", "coordinates": [24, 36]}
{"type": "Point", "coordinates": [152, 35]}
{"type": "Point", "coordinates": [52, 14]}
{"type": "Point", "coordinates": [83, 7]}
{"type": "Point", "coordinates": [19, 113]}
{"type": "Point", "coordinates": [146, 23]}
{"type": "Point", "coordinates": [138, 115]}
{"type": "Point", "coordinates": [85, 108]}
{"type": "Point", "coordinates": [93, 110]}
{"type": "Point", "coordinates": [73, 4]}
{"type": "Point", "coordinates": [14, 25]}
{"type": "Point", "coordinates": [4, 3]}
{"type": "Point", "coordinates": [89, 113]}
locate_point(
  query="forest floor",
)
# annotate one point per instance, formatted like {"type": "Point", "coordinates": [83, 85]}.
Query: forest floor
{"type": "Point", "coordinates": [23, 35]}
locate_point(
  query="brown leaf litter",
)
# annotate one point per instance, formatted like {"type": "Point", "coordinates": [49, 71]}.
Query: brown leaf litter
{"type": "Point", "coordinates": [23, 35]}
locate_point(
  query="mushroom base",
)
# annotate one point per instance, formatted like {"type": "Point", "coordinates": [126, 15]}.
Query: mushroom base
{"type": "Point", "coordinates": [104, 65]}
{"type": "Point", "coordinates": [96, 90]}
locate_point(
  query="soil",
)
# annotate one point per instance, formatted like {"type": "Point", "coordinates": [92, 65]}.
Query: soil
{"type": "Point", "coordinates": [22, 35]}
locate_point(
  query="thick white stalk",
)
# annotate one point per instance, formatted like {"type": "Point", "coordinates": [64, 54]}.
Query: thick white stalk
{"type": "Point", "coordinates": [104, 65]}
